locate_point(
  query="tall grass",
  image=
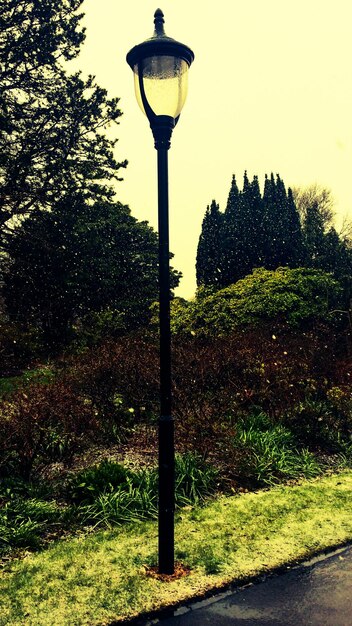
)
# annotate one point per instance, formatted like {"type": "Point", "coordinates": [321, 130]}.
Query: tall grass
{"type": "Point", "coordinates": [272, 451]}
{"type": "Point", "coordinates": [126, 496]}
{"type": "Point", "coordinates": [105, 495]}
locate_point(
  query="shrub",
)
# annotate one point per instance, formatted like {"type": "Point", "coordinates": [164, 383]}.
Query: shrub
{"type": "Point", "coordinates": [195, 480]}
{"type": "Point", "coordinates": [295, 297]}
{"type": "Point", "coordinates": [18, 344]}
{"type": "Point", "coordinates": [41, 424]}
{"type": "Point", "coordinates": [323, 419]}
{"type": "Point", "coordinates": [117, 377]}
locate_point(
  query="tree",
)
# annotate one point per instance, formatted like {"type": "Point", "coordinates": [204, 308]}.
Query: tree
{"type": "Point", "coordinates": [324, 247]}
{"type": "Point", "coordinates": [210, 248]}
{"type": "Point", "coordinates": [314, 236]}
{"type": "Point", "coordinates": [81, 260]}
{"type": "Point", "coordinates": [318, 195]}
{"type": "Point", "coordinates": [241, 242]}
{"type": "Point", "coordinates": [231, 235]}
{"type": "Point", "coordinates": [254, 231]}
{"type": "Point", "coordinates": [248, 228]}
{"type": "Point", "coordinates": [282, 233]}
{"type": "Point", "coordinates": [52, 124]}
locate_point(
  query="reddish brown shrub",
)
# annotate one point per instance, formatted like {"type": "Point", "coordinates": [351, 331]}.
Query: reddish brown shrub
{"type": "Point", "coordinates": [118, 376]}
{"type": "Point", "coordinates": [41, 423]}
{"type": "Point", "coordinates": [215, 381]}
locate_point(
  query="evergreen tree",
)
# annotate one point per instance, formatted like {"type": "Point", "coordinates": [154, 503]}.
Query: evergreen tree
{"type": "Point", "coordinates": [295, 246]}
{"type": "Point", "coordinates": [52, 124]}
{"type": "Point", "coordinates": [336, 257]}
{"type": "Point", "coordinates": [209, 261]}
{"type": "Point", "coordinates": [313, 236]}
{"type": "Point", "coordinates": [242, 231]}
{"type": "Point", "coordinates": [256, 225]}
{"type": "Point", "coordinates": [272, 228]}
{"type": "Point", "coordinates": [231, 240]}
{"type": "Point", "coordinates": [80, 259]}
{"type": "Point", "coordinates": [282, 232]}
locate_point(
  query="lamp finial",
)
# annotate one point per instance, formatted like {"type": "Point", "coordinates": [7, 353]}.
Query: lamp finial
{"type": "Point", "coordinates": [159, 23]}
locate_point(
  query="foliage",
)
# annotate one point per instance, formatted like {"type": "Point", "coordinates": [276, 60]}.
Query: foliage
{"type": "Point", "coordinates": [278, 228]}
{"type": "Point", "coordinates": [272, 452]}
{"type": "Point", "coordinates": [103, 495]}
{"type": "Point", "coordinates": [53, 124]}
{"type": "Point", "coordinates": [195, 479]}
{"type": "Point", "coordinates": [323, 420]}
{"type": "Point", "coordinates": [41, 424]}
{"type": "Point", "coordinates": [253, 231]}
{"type": "Point", "coordinates": [23, 521]}
{"type": "Point", "coordinates": [18, 345]}
{"type": "Point", "coordinates": [209, 251]}
{"type": "Point", "coordinates": [318, 196]}
{"type": "Point", "coordinates": [87, 485]}
{"type": "Point", "coordinates": [82, 270]}
{"type": "Point", "coordinates": [292, 296]}
{"type": "Point", "coordinates": [9, 385]}
{"type": "Point", "coordinates": [119, 378]}
{"type": "Point", "coordinates": [282, 234]}
{"type": "Point", "coordinates": [107, 393]}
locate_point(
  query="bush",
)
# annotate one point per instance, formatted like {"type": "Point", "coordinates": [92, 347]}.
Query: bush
{"type": "Point", "coordinates": [120, 378]}
{"type": "Point", "coordinates": [323, 420]}
{"type": "Point", "coordinates": [107, 392]}
{"type": "Point", "coordinates": [18, 344]}
{"type": "Point", "coordinates": [41, 424]}
{"type": "Point", "coordinates": [295, 297]}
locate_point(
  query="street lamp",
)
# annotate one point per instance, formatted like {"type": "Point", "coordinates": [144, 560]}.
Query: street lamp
{"type": "Point", "coordinates": [160, 67]}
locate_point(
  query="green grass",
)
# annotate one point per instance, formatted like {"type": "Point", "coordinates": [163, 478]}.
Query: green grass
{"type": "Point", "coordinates": [9, 384]}
{"type": "Point", "coordinates": [103, 496]}
{"type": "Point", "coordinates": [95, 579]}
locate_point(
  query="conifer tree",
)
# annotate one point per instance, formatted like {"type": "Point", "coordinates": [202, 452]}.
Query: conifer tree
{"type": "Point", "coordinates": [247, 230]}
{"type": "Point", "coordinates": [337, 259]}
{"type": "Point", "coordinates": [256, 224]}
{"type": "Point", "coordinates": [231, 235]}
{"type": "Point", "coordinates": [210, 248]}
{"type": "Point", "coordinates": [282, 232]}
{"type": "Point", "coordinates": [313, 235]}
{"type": "Point", "coordinates": [295, 250]}
{"type": "Point", "coordinates": [271, 224]}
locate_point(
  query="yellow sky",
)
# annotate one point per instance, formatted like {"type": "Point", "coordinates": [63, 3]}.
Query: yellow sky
{"type": "Point", "coordinates": [270, 90]}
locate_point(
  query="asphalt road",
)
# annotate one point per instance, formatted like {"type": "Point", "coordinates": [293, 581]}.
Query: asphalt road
{"type": "Point", "coordinates": [317, 593]}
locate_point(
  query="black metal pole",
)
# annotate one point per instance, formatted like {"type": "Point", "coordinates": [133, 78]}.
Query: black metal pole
{"type": "Point", "coordinates": [166, 422]}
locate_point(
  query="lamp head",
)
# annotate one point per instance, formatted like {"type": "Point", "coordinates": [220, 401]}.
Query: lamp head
{"type": "Point", "coordinates": [160, 67]}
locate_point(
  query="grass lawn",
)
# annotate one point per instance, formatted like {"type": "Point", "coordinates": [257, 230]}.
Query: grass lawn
{"type": "Point", "coordinates": [101, 577]}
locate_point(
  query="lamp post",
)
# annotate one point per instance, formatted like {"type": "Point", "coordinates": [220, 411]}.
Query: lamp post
{"type": "Point", "coordinates": [160, 67]}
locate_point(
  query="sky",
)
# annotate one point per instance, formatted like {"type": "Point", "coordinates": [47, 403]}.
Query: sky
{"type": "Point", "coordinates": [270, 90]}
